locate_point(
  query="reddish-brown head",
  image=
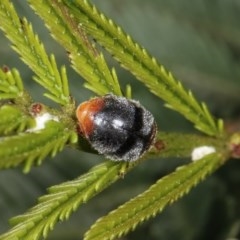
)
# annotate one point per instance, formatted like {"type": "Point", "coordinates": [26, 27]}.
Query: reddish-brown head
{"type": "Point", "coordinates": [85, 114]}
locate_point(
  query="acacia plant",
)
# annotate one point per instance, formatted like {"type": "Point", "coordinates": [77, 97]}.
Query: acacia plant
{"type": "Point", "coordinates": [31, 131]}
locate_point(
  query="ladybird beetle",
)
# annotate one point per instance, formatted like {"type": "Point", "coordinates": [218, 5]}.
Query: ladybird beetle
{"type": "Point", "coordinates": [117, 127]}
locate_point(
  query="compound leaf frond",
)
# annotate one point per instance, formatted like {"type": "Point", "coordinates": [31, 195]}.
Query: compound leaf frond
{"type": "Point", "coordinates": [145, 67]}
{"type": "Point", "coordinates": [33, 147]}
{"type": "Point", "coordinates": [27, 44]}
{"type": "Point", "coordinates": [164, 192]}
{"type": "Point", "coordinates": [85, 58]}
{"type": "Point", "coordinates": [61, 201]}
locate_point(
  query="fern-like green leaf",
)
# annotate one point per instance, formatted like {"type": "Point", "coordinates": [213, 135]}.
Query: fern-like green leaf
{"type": "Point", "coordinates": [143, 66]}
{"type": "Point", "coordinates": [61, 201]}
{"type": "Point", "coordinates": [86, 60]}
{"type": "Point", "coordinates": [32, 52]}
{"type": "Point", "coordinates": [11, 85]}
{"type": "Point", "coordinates": [166, 191]}
{"type": "Point", "coordinates": [33, 147]}
{"type": "Point", "coordinates": [13, 120]}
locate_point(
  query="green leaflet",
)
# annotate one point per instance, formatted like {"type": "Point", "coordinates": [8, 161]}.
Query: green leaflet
{"type": "Point", "coordinates": [61, 201]}
{"type": "Point", "coordinates": [85, 58]}
{"type": "Point", "coordinates": [146, 68]}
{"type": "Point", "coordinates": [32, 52]}
{"type": "Point", "coordinates": [33, 147]}
{"type": "Point", "coordinates": [11, 85]}
{"type": "Point", "coordinates": [166, 191]}
{"type": "Point", "coordinates": [13, 120]}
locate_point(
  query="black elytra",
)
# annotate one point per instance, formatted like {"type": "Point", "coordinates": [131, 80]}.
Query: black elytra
{"type": "Point", "coordinates": [119, 128]}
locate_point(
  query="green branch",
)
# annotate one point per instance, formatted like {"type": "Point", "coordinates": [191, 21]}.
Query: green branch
{"type": "Point", "coordinates": [66, 198]}
{"type": "Point", "coordinates": [166, 191]}
{"type": "Point", "coordinates": [74, 24]}
{"type": "Point", "coordinates": [32, 52]}
{"type": "Point", "coordinates": [146, 68]}
{"type": "Point", "coordinates": [33, 147]}
{"type": "Point", "coordinates": [172, 145]}
{"type": "Point", "coordinates": [61, 201]}
{"type": "Point", "coordinates": [86, 60]}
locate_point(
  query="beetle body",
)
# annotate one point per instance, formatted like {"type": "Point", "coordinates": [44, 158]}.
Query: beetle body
{"type": "Point", "coordinates": [117, 127]}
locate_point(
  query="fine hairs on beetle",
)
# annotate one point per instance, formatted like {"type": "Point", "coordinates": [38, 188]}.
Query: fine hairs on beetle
{"type": "Point", "coordinates": [117, 127]}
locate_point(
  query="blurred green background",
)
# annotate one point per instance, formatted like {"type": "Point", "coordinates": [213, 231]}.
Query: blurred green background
{"type": "Point", "coordinates": [199, 42]}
